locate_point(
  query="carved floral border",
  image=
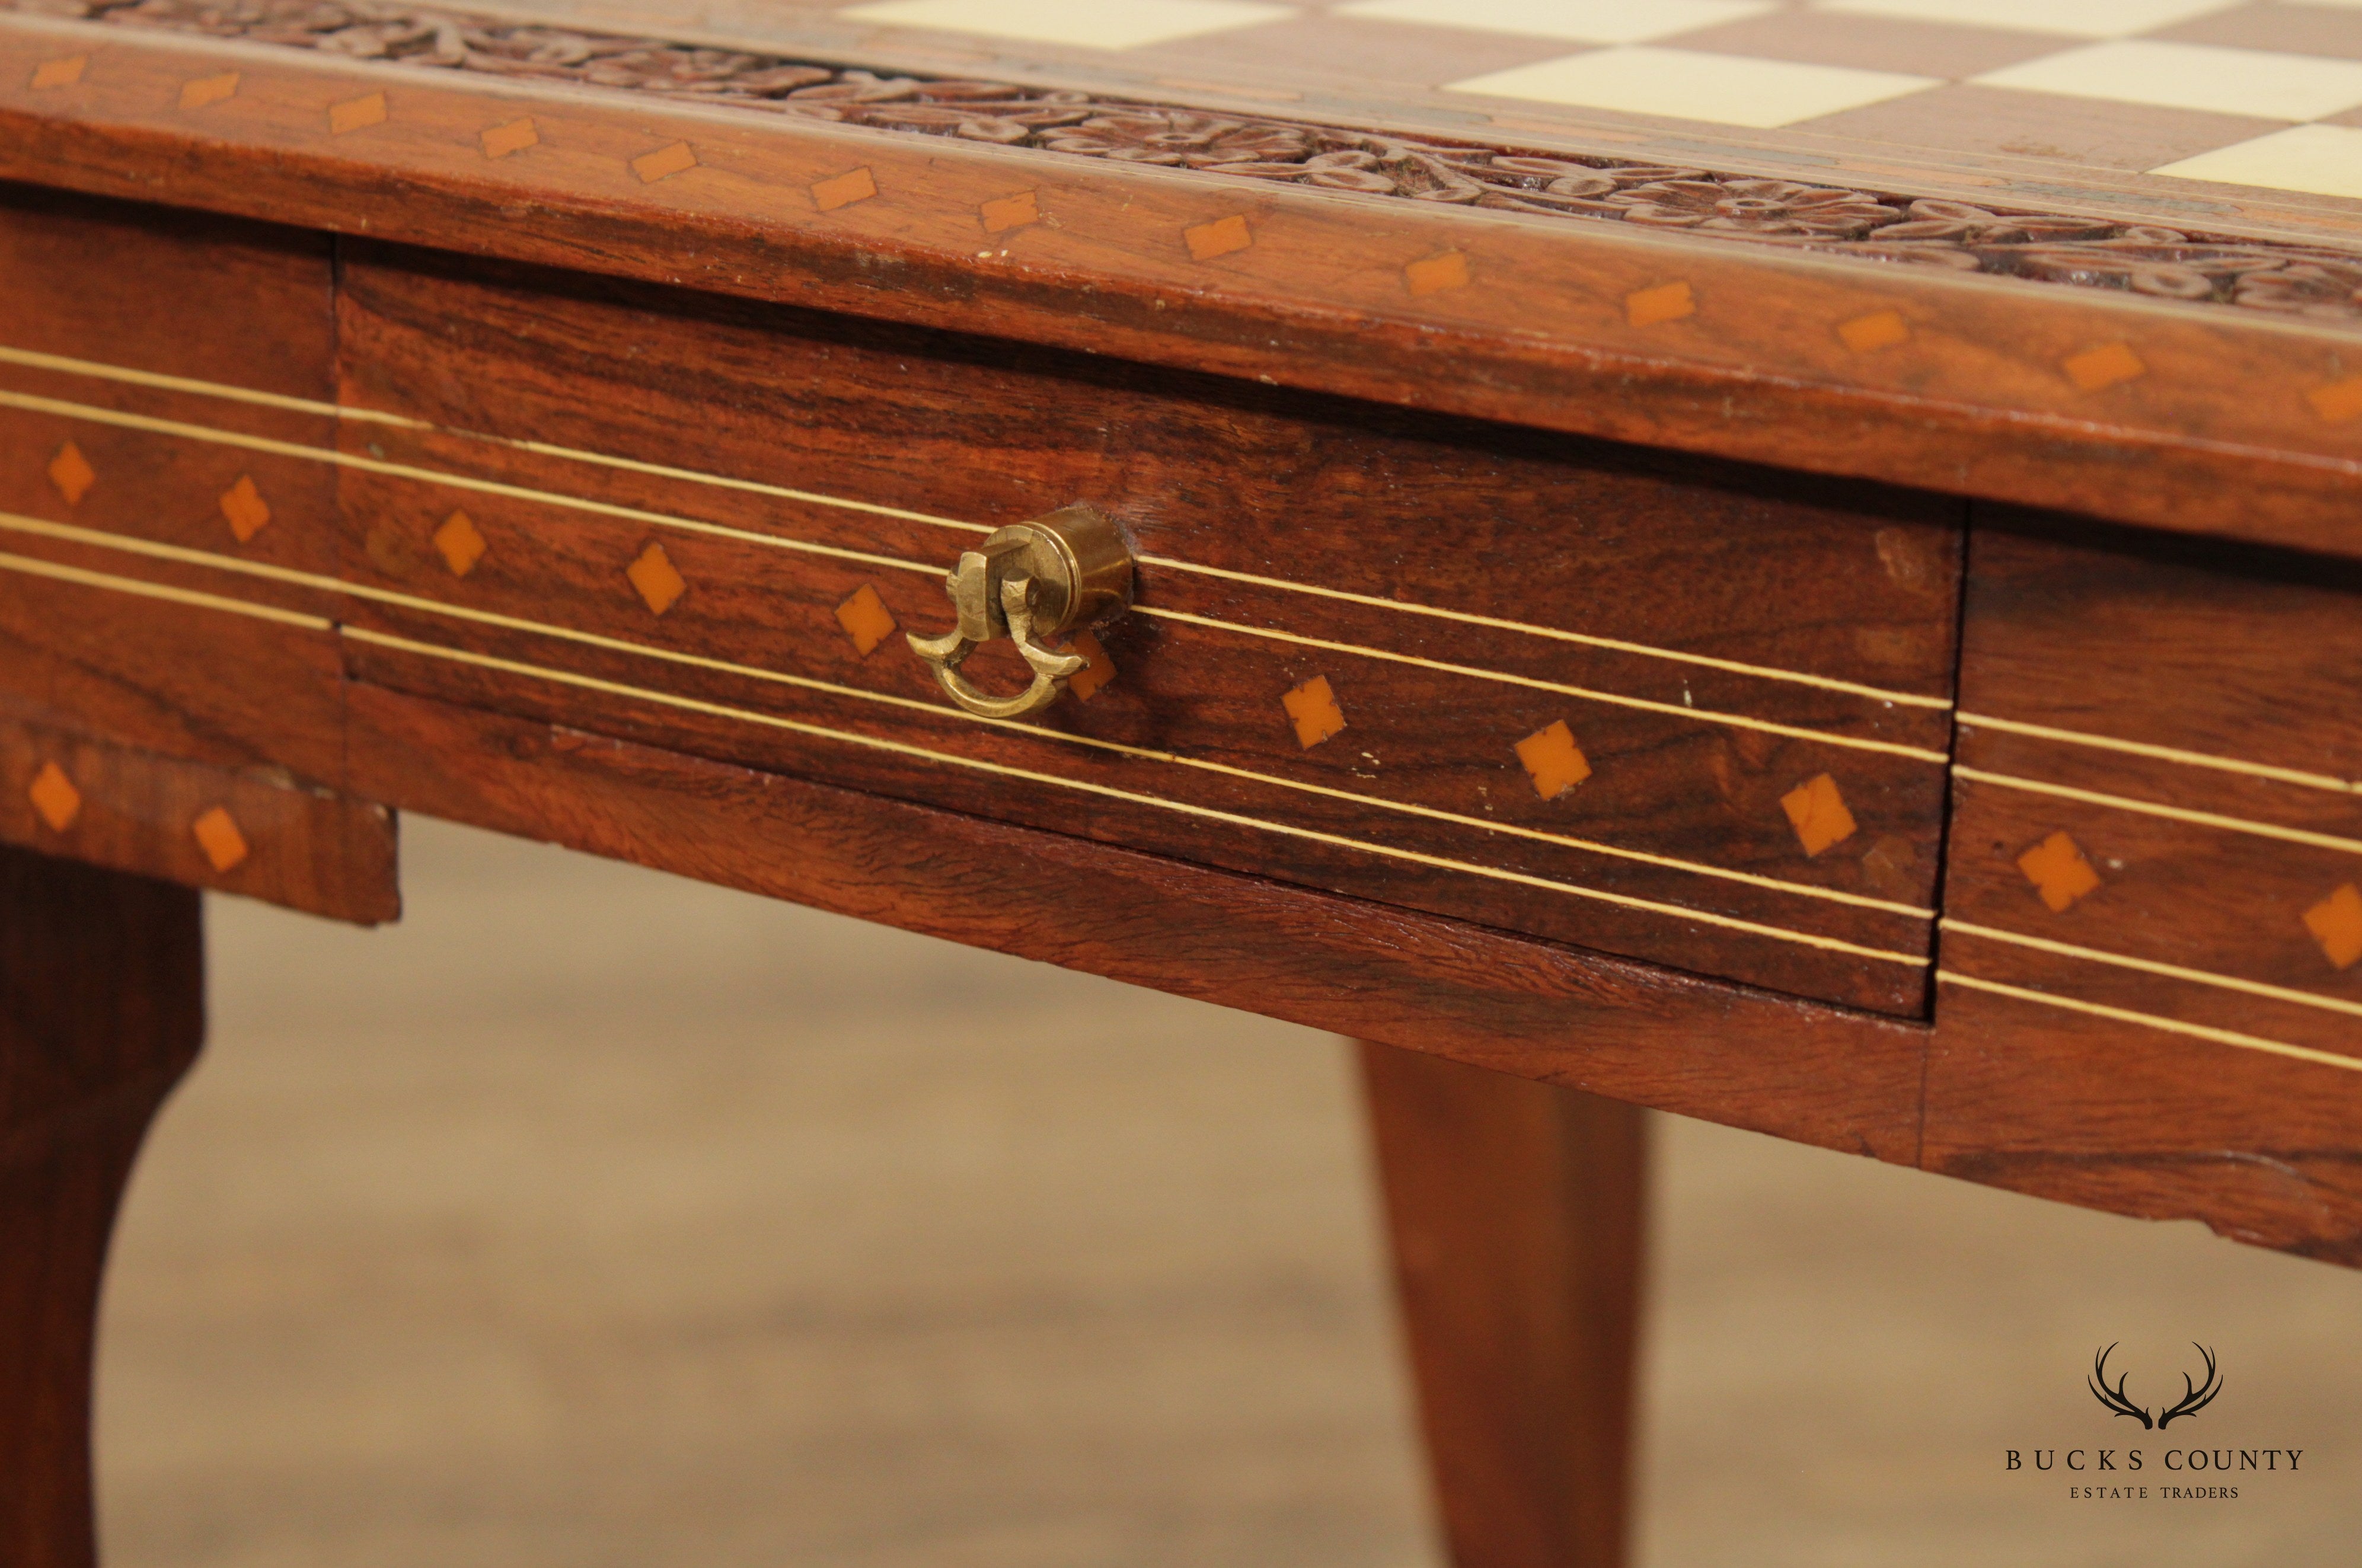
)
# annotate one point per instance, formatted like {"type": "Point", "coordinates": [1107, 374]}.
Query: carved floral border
{"type": "Point", "coordinates": [2315, 282]}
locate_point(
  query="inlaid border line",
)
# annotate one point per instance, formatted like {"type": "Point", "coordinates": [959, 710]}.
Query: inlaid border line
{"type": "Point", "coordinates": [744, 715]}
{"type": "Point", "coordinates": [1208, 814]}
{"type": "Point", "coordinates": [273, 447]}
{"type": "Point", "coordinates": [2169, 1025]}
{"type": "Point", "coordinates": [62, 572]}
{"type": "Point", "coordinates": [2164, 752]}
{"type": "Point", "coordinates": [157, 550]}
{"type": "Point", "coordinates": [1894, 748]}
{"type": "Point", "coordinates": [693, 476]}
{"type": "Point", "coordinates": [1826, 683]}
{"type": "Point", "coordinates": [2151, 966]}
{"type": "Point", "coordinates": [2155, 809]}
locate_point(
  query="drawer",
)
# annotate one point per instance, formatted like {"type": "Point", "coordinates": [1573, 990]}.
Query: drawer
{"type": "Point", "coordinates": [1643, 705]}
{"type": "Point", "coordinates": [2158, 810]}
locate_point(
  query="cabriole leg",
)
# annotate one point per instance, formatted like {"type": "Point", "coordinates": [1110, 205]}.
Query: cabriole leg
{"type": "Point", "coordinates": [101, 1012]}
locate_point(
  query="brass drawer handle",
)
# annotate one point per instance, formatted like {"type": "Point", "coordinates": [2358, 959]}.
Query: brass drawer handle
{"type": "Point", "coordinates": [1026, 582]}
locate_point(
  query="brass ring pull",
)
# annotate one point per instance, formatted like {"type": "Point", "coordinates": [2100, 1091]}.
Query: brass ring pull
{"type": "Point", "coordinates": [1027, 583]}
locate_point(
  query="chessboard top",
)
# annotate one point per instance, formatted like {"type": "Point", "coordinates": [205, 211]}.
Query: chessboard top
{"type": "Point", "coordinates": [2243, 112]}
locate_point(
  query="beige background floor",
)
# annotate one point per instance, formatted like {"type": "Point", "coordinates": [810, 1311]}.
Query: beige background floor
{"type": "Point", "coordinates": [590, 1217]}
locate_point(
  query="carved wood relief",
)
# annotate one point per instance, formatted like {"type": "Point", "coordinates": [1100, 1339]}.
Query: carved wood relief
{"type": "Point", "coordinates": [2317, 282]}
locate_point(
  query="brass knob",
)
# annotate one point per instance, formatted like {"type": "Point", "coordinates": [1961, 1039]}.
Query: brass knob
{"type": "Point", "coordinates": [1027, 583]}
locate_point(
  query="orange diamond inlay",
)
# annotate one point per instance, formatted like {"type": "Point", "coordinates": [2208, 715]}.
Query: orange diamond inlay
{"type": "Point", "coordinates": [663, 162]}
{"type": "Point", "coordinates": [2104, 367]}
{"type": "Point", "coordinates": [1313, 709]}
{"type": "Point", "coordinates": [71, 473]}
{"type": "Point", "coordinates": [1818, 814]}
{"type": "Point", "coordinates": [1009, 211]}
{"type": "Point", "coordinates": [1086, 683]}
{"type": "Point", "coordinates": [60, 72]}
{"type": "Point", "coordinates": [1867, 333]}
{"type": "Point", "coordinates": [1666, 302]}
{"type": "Point", "coordinates": [54, 796]}
{"type": "Point", "coordinates": [845, 189]}
{"type": "Point", "coordinates": [357, 113]}
{"type": "Point", "coordinates": [209, 90]}
{"type": "Point", "coordinates": [1219, 238]}
{"type": "Point", "coordinates": [1434, 274]}
{"type": "Point", "coordinates": [1553, 760]}
{"type": "Point", "coordinates": [217, 835]}
{"type": "Point", "coordinates": [659, 584]}
{"type": "Point", "coordinates": [865, 620]}
{"type": "Point", "coordinates": [2058, 871]}
{"type": "Point", "coordinates": [248, 512]}
{"type": "Point", "coordinates": [459, 542]}
{"type": "Point", "coordinates": [514, 136]}
{"type": "Point", "coordinates": [2336, 924]}
{"type": "Point", "coordinates": [2339, 401]}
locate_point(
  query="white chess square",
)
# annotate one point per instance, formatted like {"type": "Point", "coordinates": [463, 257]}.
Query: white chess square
{"type": "Point", "coordinates": [2326, 161]}
{"type": "Point", "coordinates": [2077, 18]}
{"type": "Point", "coordinates": [1093, 24]}
{"type": "Point", "coordinates": [1584, 21]}
{"type": "Point", "coordinates": [1690, 84]}
{"type": "Point", "coordinates": [2193, 77]}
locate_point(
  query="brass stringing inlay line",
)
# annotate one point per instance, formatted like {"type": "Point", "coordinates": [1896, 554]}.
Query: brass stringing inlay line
{"type": "Point", "coordinates": [2170, 1025]}
{"type": "Point", "coordinates": [667, 520]}
{"type": "Point", "coordinates": [85, 579]}
{"type": "Point", "coordinates": [429, 476]}
{"type": "Point", "coordinates": [352, 414]}
{"type": "Point", "coordinates": [2154, 808]}
{"type": "Point", "coordinates": [186, 555]}
{"type": "Point", "coordinates": [1826, 683]}
{"type": "Point", "coordinates": [1210, 813]}
{"type": "Point", "coordinates": [903, 748]}
{"type": "Point", "coordinates": [2150, 965]}
{"type": "Point", "coordinates": [1588, 694]}
{"type": "Point", "coordinates": [2165, 754]}
{"type": "Point", "coordinates": [339, 411]}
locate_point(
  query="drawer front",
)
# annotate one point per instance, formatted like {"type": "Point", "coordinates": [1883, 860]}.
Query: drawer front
{"type": "Point", "coordinates": [2158, 816]}
{"type": "Point", "coordinates": [1644, 706]}
{"type": "Point", "coordinates": [1549, 685]}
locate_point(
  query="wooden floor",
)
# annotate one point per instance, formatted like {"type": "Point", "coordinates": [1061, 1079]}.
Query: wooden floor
{"type": "Point", "coordinates": [594, 1219]}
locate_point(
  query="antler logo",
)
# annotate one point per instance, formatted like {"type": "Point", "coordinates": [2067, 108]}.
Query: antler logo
{"type": "Point", "coordinates": [2195, 1396]}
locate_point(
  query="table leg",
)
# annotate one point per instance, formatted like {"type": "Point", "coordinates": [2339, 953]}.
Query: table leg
{"type": "Point", "coordinates": [101, 1012]}
{"type": "Point", "coordinates": [1515, 1212]}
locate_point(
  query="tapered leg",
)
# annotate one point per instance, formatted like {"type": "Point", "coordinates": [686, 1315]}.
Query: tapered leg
{"type": "Point", "coordinates": [101, 1012]}
{"type": "Point", "coordinates": [1516, 1210]}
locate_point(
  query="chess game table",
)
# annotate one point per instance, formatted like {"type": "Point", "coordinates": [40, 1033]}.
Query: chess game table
{"type": "Point", "coordinates": [1796, 563]}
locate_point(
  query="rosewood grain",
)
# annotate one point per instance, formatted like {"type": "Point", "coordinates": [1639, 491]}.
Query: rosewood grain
{"type": "Point", "coordinates": [102, 1009]}
{"type": "Point", "coordinates": [257, 834]}
{"type": "Point", "coordinates": [168, 298]}
{"type": "Point", "coordinates": [2133, 1121]}
{"type": "Point", "coordinates": [200, 684]}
